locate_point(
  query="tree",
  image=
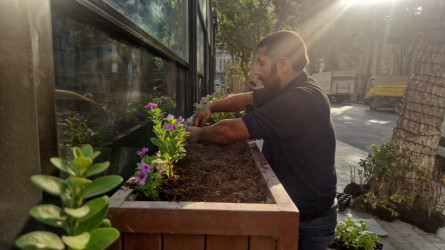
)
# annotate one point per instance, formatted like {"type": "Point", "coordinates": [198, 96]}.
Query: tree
{"type": "Point", "coordinates": [418, 126]}
{"type": "Point", "coordinates": [419, 123]}
{"type": "Point", "coordinates": [242, 23]}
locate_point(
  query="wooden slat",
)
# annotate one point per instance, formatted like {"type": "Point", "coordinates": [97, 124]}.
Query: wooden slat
{"type": "Point", "coordinates": [225, 242]}
{"type": "Point", "coordinates": [262, 243]}
{"type": "Point", "coordinates": [142, 241]}
{"type": "Point", "coordinates": [184, 242]}
{"type": "Point", "coordinates": [216, 222]}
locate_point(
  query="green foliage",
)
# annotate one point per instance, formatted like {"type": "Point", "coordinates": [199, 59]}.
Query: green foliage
{"type": "Point", "coordinates": [388, 172]}
{"type": "Point", "coordinates": [84, 223]}
{"type": "Point", "coordinates": [78, 133]}
{"type": "Point", "coordinates": [214, 117]}
{"type": "Point", "coordinates": [356, 235]}
{"type": "Point", "coordinates": [170, 138]}
{"type": "Point", "coordinates": [243, 23]}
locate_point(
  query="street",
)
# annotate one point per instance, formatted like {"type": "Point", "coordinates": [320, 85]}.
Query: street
{"type": "Point", "coordinates": [360, 127]}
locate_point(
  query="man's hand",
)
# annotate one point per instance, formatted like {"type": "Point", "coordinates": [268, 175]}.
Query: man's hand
{"type": "Point", "coordinates": [203, 116]}
{"type": "Point", "coordinates": [194, 133]}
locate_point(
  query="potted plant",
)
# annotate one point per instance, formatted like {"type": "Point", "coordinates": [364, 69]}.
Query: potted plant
{"type": "Point", "coordinates": [83, 221]}
{"type": "Point", "coordinates": [353, 234]}
{"type": "Point", "coordinates": [161, 224]}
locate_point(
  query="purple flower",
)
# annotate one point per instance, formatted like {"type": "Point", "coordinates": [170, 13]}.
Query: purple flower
{"type": "Point", "coordinates": [190, 120]}
{"type": "Point", "coordinates": [141, 178]}
{"type": "Point", "coordinates": [203, 99]}
{"type": "Point", "coordinates": [143, 151]}
{"type": "Point", "coordinates": [170, 126]}
{"type": "Point", "coordinates": [184, 126]}
{"type": "Point", "coordinates": [160, 168]}
{"type": "Point", "coordinates": [169, 116]}
{"type": "Point", "coordinates": [145, 167]}
{"type": "Point", "coordinates": [180, 119]}
{"type": "Point", "coordinates": [78, 117]}
{"type": "Point", "coordinates": [151, 105]}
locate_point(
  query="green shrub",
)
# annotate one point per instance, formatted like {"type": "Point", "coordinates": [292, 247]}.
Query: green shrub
{"type": "Point", "coordinates": [83, 221]}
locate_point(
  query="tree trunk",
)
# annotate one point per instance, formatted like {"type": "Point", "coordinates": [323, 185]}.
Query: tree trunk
{"type": "Point", "coordinates": [419, 123]}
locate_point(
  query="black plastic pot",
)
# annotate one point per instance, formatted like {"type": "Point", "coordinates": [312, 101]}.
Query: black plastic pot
{"type": "Point", "coordinates": [343, 200]}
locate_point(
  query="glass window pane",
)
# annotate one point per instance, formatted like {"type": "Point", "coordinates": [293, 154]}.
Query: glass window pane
{"type": "Point", "coordinates": [165, 20]}
{"type": "Point", "coordinates": [102, 86]}
{"type": "Point", "coordinates": [203, 8]}
{"type": "Point", "coordinates": [200, 47]}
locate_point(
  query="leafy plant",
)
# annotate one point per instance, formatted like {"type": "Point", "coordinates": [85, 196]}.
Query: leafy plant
{"type": "Point", "coordinates": [217, 116]}
{"type": "Point", "coordinates": [83, 221]}
{"type": "Point", "coordinates": [356, 235]}
{"type": "Point", "coordinates": [388, 172]}
{"type": "Point", "coordinates": [170, 138]}
{"type": "Point", "coordinates": [148, 177]}
{"type": "Point", "coordinates": [79, 132]}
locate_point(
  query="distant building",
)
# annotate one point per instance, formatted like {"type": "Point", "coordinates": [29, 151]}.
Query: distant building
{"type": "Point", "coordinates": [222, 59]}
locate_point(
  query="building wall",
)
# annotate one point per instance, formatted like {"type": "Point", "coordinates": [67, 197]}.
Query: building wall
{"type": "Point", "coordinates": [96, 65]}
{"type": "Point", "coordinates": [27, 130]}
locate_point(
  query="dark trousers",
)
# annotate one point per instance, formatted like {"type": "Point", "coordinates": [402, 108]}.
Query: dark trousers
{"type": "Point", "coordinates": [317, 234]}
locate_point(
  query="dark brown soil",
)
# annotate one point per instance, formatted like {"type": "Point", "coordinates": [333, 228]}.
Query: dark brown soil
{"type": "Point", "coordinates": [217, 173]}
{"type": "Point", "coordinates": [414, 215]}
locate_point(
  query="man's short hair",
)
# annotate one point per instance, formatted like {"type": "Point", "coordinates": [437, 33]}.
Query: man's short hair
{"type": "Point", "coordinates": [288, 44]}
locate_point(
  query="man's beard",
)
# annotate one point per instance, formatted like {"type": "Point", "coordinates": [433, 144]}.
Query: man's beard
{"type": "Point", "coordinates": [272, 82]}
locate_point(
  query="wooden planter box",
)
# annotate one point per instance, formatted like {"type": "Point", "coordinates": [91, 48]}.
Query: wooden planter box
{"type": "Point", "coordinates": [164, 225]}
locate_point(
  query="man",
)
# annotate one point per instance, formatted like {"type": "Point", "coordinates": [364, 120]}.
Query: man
{"type": "Point", "coordinates": [251, 85]}
{"type": "Point", "coordinates": [292, 114]}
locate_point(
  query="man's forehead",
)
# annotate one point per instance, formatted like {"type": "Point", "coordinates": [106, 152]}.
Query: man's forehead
{"type": "Point", "coordinates": [261, 53]}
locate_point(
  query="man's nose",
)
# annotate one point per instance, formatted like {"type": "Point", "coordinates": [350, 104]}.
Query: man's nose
{"type": "Point", "coordinates": [256, 71]}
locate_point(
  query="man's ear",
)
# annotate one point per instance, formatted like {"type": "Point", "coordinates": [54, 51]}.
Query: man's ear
{"type": "Point", "coordinates": [283, 64]}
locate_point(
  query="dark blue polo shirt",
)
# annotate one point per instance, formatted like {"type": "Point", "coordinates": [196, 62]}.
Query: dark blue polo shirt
{"type": "Point", "coordinates": [299, 142]}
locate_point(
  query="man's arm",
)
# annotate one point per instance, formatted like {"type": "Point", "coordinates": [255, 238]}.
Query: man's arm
{"type": "Point", "coordinates": [225, 131]}
{"type": "Point", "coordinates": [232, 103]}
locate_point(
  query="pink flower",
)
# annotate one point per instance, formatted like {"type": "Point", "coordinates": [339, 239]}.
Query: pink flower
{"type": "Point", "coordinates": [160, 168]}
{"type": "Point", "coordinates": [145, 167]}
{"type": "Point", "coordinates": [180, 119]}
{"type": "Point", "coordinates": [169, 116]}
{"type": "Point", "coordinates": [170, 126]}
{"type": "Point", "coordinates": [143, 151]}
{"type": "Point", "coordinates": [141, 178]}
{"type": "Point", "coordinates": [151, 105]}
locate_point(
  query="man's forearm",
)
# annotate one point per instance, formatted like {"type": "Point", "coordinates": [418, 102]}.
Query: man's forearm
{"type": "Point", "coordinates": [232, 103]}
{"type": "Point", "coordinates": [225, 131]}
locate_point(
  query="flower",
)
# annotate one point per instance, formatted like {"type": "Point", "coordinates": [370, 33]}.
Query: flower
{"type": "Point", "coordinates": [203, 99]}
{"type": "Point", "coordinates": [143, 151]}
{"type": "Point", "coordinates": [145, 167]}
{"type": "Point", "coordinates": [170, 126]}
{"type": "Point", "coordinates": [169, 116]}
{"type": "Point", "coordinates": [150, 105]}
{"type": "Point", "coordinates": [180, 119]}
{"type": "Point", "coordinates": [160, 168]}
{"type": "Point", "coordinates": [141, 178]}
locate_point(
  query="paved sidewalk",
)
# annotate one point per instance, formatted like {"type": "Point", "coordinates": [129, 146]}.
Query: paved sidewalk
{"type": "Point", "coordinates": [400, 235]}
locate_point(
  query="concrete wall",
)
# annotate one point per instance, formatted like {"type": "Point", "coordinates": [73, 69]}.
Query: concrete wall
{"type": "Point", "coordinates": [27, 128]}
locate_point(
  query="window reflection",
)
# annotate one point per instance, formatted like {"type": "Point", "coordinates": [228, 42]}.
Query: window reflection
{"type": "Point", "coordinates": [102, 86]}
{"type": "Point", "coordinates": [165, 20]}
{"type": "Point", "coordinates": [200, 47]}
